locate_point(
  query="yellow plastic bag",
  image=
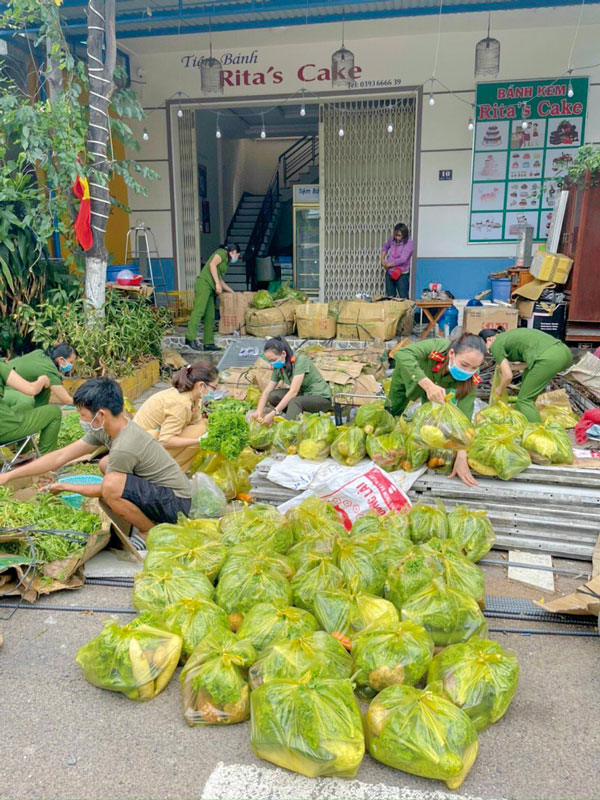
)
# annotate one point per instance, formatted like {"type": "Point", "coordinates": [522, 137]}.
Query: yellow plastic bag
{"type": "Point", "coordinates": [496, 450]}
{"type": "Point", "coordinates": [548, 443]}
{"type": "Point", "coordinates": [442, 425]}
{"type": "Point", "coordinates": [501, 413]}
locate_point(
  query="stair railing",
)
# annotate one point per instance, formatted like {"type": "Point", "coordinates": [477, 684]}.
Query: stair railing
{"type": "Point", "coordinates": [301, 154]}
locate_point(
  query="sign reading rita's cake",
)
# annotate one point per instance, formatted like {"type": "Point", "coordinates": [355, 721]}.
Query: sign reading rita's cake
{"type": "Point", "coordinates": [527, 134]}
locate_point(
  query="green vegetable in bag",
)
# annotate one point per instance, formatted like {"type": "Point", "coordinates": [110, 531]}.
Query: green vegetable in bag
{"type": "Point", "coordinates": [266, 624]}
{"type": "Point", "coordinates": [442, 425]}
{"type": "Point", "coordinates": [227, 428]}
{"type": "Point", "coordinates": [312, 726]}
{"type": "Point", "coordinates": [257, 523]}
{"type": "Point", "coordinates": [374, 420]}
{"type": "Point", "coordinates": [308, 549]}
{"type": "Point", "coordinates": [318, 653]}
{"type": "Point", "coordinates": [214, 682]}
{"type": "Point", "coordinates": [501, 413]}
{"type": "Point", "coordinates": [386, 655]}
{"type": "Point", "coordinates": [385, 537]}
{"type": "Point", "coordinates": [239, 590]}
{"type": "Point", "coordinates": [263, 299]}
{"type": "Point", "coordinates": [427, 521]}
{"type": "Point", "coordinates": [192, 551]}
{"type": "Point", "coordinates": [349, 447]}
{"type": "Point", "coordinates": [387, 450]}
{"type": "Point", "coordinates": [285, 438]}
{"type": "Point", "coordinates": [561, 415]}
{"type": "Point", "coordinates": [480, 676]}
{"type": "Point", "coordinates": [496, 451]}
{"type": "Point", "coordinates": [196, 530]}
{"type": "Point", "coordinates": [136, 659]}
{"type": "Point", "coordinates": [193, 619]}
{"type": "Point", "coordinates": [344, 613]}
{"type": "Point", "coordinates": [314, 517]}
{"type": "Point", "coordinates": [471, 531]}
{"type": "Point", "coordinates": [422, 733]}
{"type": "Point", "coordinates": [448, 615]}
{"type": "Point", "coordinates": [261, 436]}
{"type": "Point", "coordinates": [318, 574]}
{"type": "Point", "coordinates": [255, 553]}
{"type": "Point", "coordinates": [154, 591]}
{"type": "Point", "coordinates": [367, 524]}
{"type": "Point", "coordinates": [412, 573]}
{"type": "Point", "coordinates": [441, 460]}
{"type": "Point", "coordinates": [287, 292]}
{"type": "Point", "coordinates": [315, 436]}
{"type": "Point", "coordinates": [360, 569]}
{"type": "Point", "coordinates": [416, 454]}
{"type": "Point", "coordinates": [458, 571]}
{"type": "Point", "coordinates": [547, 443]}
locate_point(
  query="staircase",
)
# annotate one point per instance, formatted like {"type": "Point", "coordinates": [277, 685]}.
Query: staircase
{"type": "Point", "coordinates": [256, 217]}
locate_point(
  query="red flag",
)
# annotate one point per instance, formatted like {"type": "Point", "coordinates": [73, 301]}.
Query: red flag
{"type": "Point", "coordinates": [83, 229]}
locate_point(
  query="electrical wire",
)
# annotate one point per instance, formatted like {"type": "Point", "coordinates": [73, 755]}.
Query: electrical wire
{"type": "Point", "coordinates": [569, 64]}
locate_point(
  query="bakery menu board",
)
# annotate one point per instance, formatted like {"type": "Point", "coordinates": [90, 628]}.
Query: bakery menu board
{"type": "Point", "coordinates": [516, 170]}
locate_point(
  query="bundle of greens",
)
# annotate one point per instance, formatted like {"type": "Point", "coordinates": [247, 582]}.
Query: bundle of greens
{"type": "Point", "coordinates": [228, 431]}
{"type": "Point", "coordinates": [471, 531]}
{"type": "Point", "coordinates": [286, 292]}
{"type": "Point", "coordinates": [250, 583]}
{"type": "Point", "coordinates": [442, 425]}
{"type": "Point", "coordinates": [70, 430]}
{"type": "Point", "coordinates": [260, 437]}
{"type": "Point", "coordinates": [349, 447]}
{"type": "Point", "coordinates": [136, 659]}
{"type": "Point", "coordinates": [548, 443]}
{"type": "Point", "coordinates": [263, 299]}
{"type": "Point", "coordinates": [319, 573]}
{"type": "Point", "coordinates": [422, 733]}
{"type": "Point", "coordinates": [412, 573]}
{"type": "Point", "coordinates": [448, 615]}
{"type": "Point", "coordinates": [315, 436]}
{"type": "Point", "coordinates": [154, 591]}
{"type": "Point", "coordinates": [214, 682]}
{"type": "Point", "coordinates": [374, 420]}
{"type": "Point", "coordinates": [208, 500]}
{"type": "Point", "coordinates": [427, 521]}
{"type": "Point", "coordinates": [285, 438]}
{"type": "Point", "coordinates": [496, 450]}
{"type": "Point", "coordinates": [266, 624]}
{"type": "Point", "coordinates": [480, 676]}
{"type": "Point", "coordinates": [193, 619]}
{"type": "Point", "coordinates": [387, 450]}
{"type": "Point", "coordinates": [258, 523]}
{"type": "Point", "coordinates": [344, 613]}
{"type": "Point", "coordinates": [312, 726]}
{"type": "Point", "coordinates": [360, 569]}
{"type": "Point", "coordinates": [389, 654]}
{"type": "Point", "coordinates": [317, 653]}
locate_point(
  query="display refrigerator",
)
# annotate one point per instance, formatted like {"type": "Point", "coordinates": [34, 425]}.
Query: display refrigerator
{"type": "Point", "coordinates": [306, 238]}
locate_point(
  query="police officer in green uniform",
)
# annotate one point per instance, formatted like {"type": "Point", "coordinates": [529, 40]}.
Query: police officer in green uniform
{"type": "Point", "coordinates": [308, 390]}
{"type": "Point", "coordinates": [17, 423]}
{"type": "Point", "coordinates": [55, 363]}
{"type": "Point", "coordinates": [544, 355]}
{"type": "Point", "coordinates": [208, 285]}
{"type": "Point", "coordinates": [430, 368]}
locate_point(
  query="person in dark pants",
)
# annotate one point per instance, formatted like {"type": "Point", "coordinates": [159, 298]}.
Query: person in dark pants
{"type": "Point", "coordinates": [306, 390]}
{"type": "Point", "coordinates": [396, 254]}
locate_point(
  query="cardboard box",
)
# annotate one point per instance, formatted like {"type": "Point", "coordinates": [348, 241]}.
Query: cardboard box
{"type": "Point", "coordinates": [268, 322]}
{"type": "Point", "coordinates": [370, 321]}
{"type": "Point", "coordinates": [232, 312]}
{"type": "Point", "coordinates": [551, 267]}
{"type": "Point", "coordinates": [236, 381]}
{"type": "Point", "coordinates": [477, 318]}
{"type": "Point", "coordinates": [552, 321]}
{"type": "Point", "coordinates": [313, 321]}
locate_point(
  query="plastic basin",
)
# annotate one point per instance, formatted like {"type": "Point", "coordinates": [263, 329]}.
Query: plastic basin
{"type": "Point", "coordinates": [75, 499]}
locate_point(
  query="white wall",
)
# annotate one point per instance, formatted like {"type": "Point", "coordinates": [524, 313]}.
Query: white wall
{"type": "Point", "coordinates": [535, 44]}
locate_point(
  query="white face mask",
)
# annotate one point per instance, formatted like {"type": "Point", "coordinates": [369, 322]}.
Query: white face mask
{"type": "Point", "coordinates": [88, 427]}
{"type": "Point", "coordinates": [233, 259]}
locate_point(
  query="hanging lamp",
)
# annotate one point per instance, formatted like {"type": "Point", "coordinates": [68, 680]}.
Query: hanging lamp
{"type": "Point", "coordinates": [211, 70]}
{"type": "Point", "coordinates": [487, 57]}
{"type": "Point", "coordinates": [342, 64]}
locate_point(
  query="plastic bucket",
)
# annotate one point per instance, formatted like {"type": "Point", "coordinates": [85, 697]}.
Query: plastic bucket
{"type": "Point", "coordinates": [501, 289]}
{"type": "Point", "coordinates": [75, 499]}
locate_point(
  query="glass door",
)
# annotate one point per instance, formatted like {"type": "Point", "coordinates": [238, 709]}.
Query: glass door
{"type": "Point", "coordinates": [306, 249]}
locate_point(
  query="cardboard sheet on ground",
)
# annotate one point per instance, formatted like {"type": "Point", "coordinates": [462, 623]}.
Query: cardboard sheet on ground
{"type": "Point", "coordinates": [584, 600]}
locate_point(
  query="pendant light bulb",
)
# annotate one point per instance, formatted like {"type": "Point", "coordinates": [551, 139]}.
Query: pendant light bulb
{"type": "Point", "coordinates": [302, 110]}
{"type": "Point", "coordinates": [524, 124]}
{"type": "Point", "coordinates": [218, 134]}
{"type": "Point", "coordinates": [470, 125]}
{"type": "Point", "coordinates": [570, 91]}
{"type": "Point", "coordinates": [218, 131]}
{"type": "Point", "coordinates": [390, 128]}
{"type": "Point", "coordinates": [263, 133]}
{"type": "Point", "coordinates": [180, 112]}
{"type": "Point", "coordinates": [431, 99]}
{"type": "Point", "coordinates": [145, 135]}
{"type": "Point", "coordinates": [341, 131]}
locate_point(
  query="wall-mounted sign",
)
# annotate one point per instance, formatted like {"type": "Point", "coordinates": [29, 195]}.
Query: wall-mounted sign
{"type": "Point", "coordinates": [306, 193]}
{"type": "Point", "coordinates": [516, 169]}
{"type": "Point", "coordinates": [445, 175]}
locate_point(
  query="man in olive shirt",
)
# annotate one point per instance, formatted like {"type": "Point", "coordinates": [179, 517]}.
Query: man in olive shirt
{"type": "Point", "coordinates": [143, 484]}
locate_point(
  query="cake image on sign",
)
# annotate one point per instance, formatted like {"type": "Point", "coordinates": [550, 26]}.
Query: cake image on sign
{"type": "Point", "coordinates": [565, 133]}
{"type": "Point", "coordinates": [561, 162]}
{"type": "Point", "coordinates": [492, 137]}
{"type": "Point", "coordinates": [490, 167]}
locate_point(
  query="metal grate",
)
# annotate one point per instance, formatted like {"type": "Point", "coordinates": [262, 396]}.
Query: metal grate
{"type": "Point", "coordinates": [188, 167]}
{"type": "Point", "coordinates": [242, 352]}
{"type": "Point", "coordinates": [520, 608]}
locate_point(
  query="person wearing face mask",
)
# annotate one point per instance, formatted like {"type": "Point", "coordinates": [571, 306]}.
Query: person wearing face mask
{"type": "Point", "coordinates": [143, 486]}
{"type": "Point", "coordinates": [544, 355]}
{"type": "Point", "coordinates": [305, 388]}
{"type": "Point", "coordinates": [429, 369]}
{"type": "Point", "coordinates": [55, 363]}
{"type": "Point", "coordinates": [174, 417]}
{"type": "Point", "coordinates": [396, 254]}
{"type": "Point", "coordinates": [209, 284]}
{"type": "Point", "coordinates": [17, 423]}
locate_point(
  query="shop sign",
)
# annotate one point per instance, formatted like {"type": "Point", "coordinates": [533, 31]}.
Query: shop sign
{"type": "Point", "coordinates": [516, 170]}
{"type": "Point", "coordinates": [307, 193]}
{"type": "Point", "coordinates": [445, 175]}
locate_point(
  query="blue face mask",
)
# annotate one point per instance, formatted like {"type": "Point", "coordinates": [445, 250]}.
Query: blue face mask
{"type": "Point", "coordinates": [278, 364]}
{"type": "Point", "coordinates": [67, 367]}
{"type": "Point", "coordinates": [215, 394]}
{"type": "Point", "coordinates": [460, 374]}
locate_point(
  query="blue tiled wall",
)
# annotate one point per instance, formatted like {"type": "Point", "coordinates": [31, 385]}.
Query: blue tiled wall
{"type": "Point", "coordinates": [464, 277]}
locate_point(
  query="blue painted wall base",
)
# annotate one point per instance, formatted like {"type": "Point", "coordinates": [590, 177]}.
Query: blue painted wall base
{"type": "Point", "coordinates": [464, 277]}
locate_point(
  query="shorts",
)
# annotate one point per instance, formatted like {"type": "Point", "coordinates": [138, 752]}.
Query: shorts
{"type": "Point", "coordinates": [158, 503]}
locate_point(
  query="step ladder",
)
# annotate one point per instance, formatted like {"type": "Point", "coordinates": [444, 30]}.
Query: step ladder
{"type": "Point", "coordinates": [141, 249]}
